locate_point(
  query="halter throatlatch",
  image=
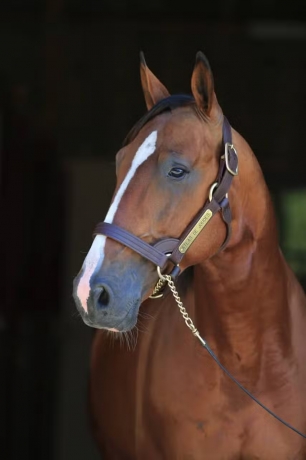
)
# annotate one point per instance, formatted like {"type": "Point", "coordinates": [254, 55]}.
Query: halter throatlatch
{"type": "Point", "coordinates": [173, 249]}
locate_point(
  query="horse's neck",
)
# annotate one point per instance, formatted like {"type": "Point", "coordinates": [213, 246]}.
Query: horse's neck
{"type": "Point", "coordinates": [241, 295]}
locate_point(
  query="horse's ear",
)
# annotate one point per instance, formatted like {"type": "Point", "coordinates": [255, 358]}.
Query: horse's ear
{"type": "Point", "coordinates": [153, 89]}
{"type": "Point", "coordinates": [202, 86]}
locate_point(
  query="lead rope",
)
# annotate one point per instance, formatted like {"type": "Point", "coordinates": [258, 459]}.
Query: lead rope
{"type": "Point", "coordinates": [189, 323]}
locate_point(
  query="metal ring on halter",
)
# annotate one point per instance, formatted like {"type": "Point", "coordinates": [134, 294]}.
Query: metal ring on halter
{"type": "Point", "coordinates": [162, 280]}
{"type": "Point", "coordinates": [173, 274]}
{"type": "Point", "coordinates": [212, 189]}
{"type": "Point", "coordinates": [161, 276]}
{"type": "Point", "coordinates": [168, 254]}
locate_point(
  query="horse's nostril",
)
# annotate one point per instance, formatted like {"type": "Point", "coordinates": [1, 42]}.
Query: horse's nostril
{"type": "Point", "coordinates": [103, 299]}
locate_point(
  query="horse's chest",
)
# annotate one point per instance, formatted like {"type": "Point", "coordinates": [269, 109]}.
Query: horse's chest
{"type": "Point", "coordinates": [168, 409]}
{"type": "Point", "coordinates": [201, 416]}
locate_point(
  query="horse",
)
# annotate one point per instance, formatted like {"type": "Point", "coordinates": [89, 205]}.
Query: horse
{"type": "Point", "coordinates": [186, 219]}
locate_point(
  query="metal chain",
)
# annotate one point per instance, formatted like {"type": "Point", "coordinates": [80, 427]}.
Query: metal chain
{"type": "Point", "coordinates": [187, 319]}
{"type": "Point", "coordinates": [160, 284]}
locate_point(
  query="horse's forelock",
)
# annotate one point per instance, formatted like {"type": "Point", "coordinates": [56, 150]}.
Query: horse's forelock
{"type": "Point", "coordinates": [169, 103]}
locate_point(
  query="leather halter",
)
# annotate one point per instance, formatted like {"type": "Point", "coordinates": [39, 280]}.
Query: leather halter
{"type": "Point", "coordinates": [173, 249]}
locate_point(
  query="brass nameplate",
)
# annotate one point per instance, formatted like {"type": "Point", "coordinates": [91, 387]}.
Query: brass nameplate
{"type": "Point", "coordinates": [195, 231]}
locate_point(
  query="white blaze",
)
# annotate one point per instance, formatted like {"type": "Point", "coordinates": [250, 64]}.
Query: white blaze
{"type": "Point", "coordinates": [95, 255]}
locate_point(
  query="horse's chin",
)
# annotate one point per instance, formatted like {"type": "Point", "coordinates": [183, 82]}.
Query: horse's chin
{"type": "Point", "coordinates": [115, 327]}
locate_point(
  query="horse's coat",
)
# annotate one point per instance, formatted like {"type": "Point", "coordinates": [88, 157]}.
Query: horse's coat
{"type": "Point", "coordinates": [167, 399]}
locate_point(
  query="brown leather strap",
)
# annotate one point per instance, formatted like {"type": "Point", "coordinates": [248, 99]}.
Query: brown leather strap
{"type": "Point", "coordinates": [219, 200]}
{"type": "Point", "coordinates": [170, 249]}
{"type": "Point", "coordinates": [146, 250]}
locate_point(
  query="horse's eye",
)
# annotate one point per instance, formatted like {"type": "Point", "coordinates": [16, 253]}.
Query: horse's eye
{"type": "Point", "coordinates": [177, 173]}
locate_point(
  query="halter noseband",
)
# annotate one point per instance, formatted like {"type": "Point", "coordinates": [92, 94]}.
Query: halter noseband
{"type": "Point", "coordinates": [173, 249]}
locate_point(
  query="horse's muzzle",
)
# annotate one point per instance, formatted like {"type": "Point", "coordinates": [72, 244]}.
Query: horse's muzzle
{"type": "Point", "coordinates": [113, 303]}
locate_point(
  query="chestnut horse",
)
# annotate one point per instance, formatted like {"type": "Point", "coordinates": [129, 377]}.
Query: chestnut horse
{"type": "Point", "coordinates": [167, 398]}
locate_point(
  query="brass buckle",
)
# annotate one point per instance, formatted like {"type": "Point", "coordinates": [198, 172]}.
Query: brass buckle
{"type": "Point", "coordinates": [226, 157]}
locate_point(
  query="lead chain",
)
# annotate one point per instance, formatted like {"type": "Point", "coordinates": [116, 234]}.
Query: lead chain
{"type": "Point", "coordinates": [182, 309]}
{"type": "Point", "coordinates": [161, 282]}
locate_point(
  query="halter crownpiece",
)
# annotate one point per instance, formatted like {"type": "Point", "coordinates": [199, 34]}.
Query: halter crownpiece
{"type": "Point", "coordinates": [173, 249]}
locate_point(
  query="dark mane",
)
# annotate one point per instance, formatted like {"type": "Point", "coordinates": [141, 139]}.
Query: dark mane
{"type": "Point", "coordinates": [169, 103]}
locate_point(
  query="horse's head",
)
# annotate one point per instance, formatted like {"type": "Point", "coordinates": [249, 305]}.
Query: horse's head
{"type": "Point", "coordinates": [164, 173]}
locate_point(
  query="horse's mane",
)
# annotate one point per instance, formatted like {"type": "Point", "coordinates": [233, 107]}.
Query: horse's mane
{"type": "Point", "coordinates": [169, 103]}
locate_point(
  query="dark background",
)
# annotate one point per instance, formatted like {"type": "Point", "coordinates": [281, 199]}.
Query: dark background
{"type": "Point", "coordinates": [69, 92]}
